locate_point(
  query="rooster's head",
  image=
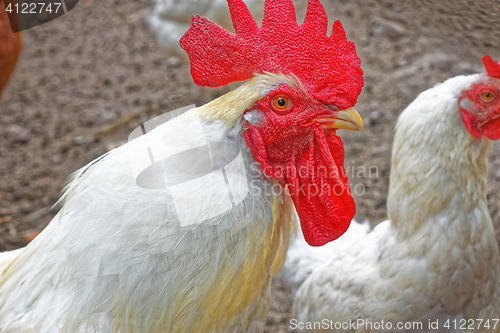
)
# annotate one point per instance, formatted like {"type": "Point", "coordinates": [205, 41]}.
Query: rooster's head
{"type": "Point", "coordinates": [303, 87]}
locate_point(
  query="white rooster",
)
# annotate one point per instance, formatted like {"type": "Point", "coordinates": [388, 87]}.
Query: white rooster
{"type": "Point", "coordinates": [181, 229]}
{"type": "Point", "coordinates": [435, 263]}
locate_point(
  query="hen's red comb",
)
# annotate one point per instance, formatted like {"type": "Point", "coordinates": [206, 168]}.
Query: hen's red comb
{"type": "Point", "coordinates": [492, 66]}
{"type": "Point", "coordinates": [327, 65]}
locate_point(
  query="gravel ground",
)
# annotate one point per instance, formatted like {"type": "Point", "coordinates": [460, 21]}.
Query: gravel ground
{"type": "Point", "coordinates": [85, 80]}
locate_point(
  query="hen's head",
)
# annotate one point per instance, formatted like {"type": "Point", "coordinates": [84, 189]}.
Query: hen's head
{"type": "Point", "coordinates": [304, 87]}
{"type": "Point", "coordinates": [480, 104]}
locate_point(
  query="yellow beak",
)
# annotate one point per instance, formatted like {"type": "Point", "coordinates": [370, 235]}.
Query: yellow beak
{"type": "Point", "coordinates": [348, 119]}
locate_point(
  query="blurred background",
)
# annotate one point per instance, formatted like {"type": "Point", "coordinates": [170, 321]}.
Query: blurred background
{"type": "Point", "coordinates": [84, 81]}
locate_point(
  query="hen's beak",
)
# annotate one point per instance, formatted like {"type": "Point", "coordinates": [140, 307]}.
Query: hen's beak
{"type": "Point", "coordinates": [348, 119]}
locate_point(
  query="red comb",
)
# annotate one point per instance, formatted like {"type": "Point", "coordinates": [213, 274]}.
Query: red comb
{"type": "Point", "coordinates": [327, 65]}
{"type": "Point", "coordinates": [492, 66]}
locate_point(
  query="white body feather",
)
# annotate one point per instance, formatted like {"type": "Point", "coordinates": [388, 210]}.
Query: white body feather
{"type": "Point", "coordinates": [119, 257]}
{"type": "Point", "coordinates": [436, 258]}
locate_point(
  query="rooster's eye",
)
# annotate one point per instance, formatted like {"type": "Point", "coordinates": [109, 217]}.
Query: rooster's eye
{"type": "Point", "coordinates": [487, 96]}
{"type": "Point", "coordinates": [281, 103]}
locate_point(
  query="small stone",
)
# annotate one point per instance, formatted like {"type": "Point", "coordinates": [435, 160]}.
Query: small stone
{"type": "Point", "coordinates": [173, 62]}
{"type": "Point", "coordinates": [62, 100]}
{"type": "Point", "coordinates": [56, 80]}
{"type": "Point", "coordinates": [106, 114]}
{"type": "Point", "coordinates": [18, 134]}
{"type": "Point", "coordinates": [387, 28]}
{"type": "Point", "coordinates": [94, 93]}
{"type": "Point", "coordinates": [144, 117]}
{"type": "Point", "coordinates": [78, 140]}
{"type": "Point", "coordinates": [56, 159]}
{"type": "Point", "coordinates": [375, 115]}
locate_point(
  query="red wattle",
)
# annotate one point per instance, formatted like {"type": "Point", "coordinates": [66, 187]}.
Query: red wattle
{"type": "Point", "coordinates": [316, 181]}
{"type": "Point", "coordinates": [492, 129]}
{"type": "Point", "coordinates": [326, 215]}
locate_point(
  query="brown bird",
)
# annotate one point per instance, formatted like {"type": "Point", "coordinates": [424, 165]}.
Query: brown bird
{"type": "Point", "coordinates": [10, 47]}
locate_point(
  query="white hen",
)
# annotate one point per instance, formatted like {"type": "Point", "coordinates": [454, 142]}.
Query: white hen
{"type": "Point", "coordinates": [172, 18]}
{"type": "Point", "coordinates": [436, 260]}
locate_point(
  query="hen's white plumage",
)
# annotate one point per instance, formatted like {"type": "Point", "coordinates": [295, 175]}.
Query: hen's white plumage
{"type": "Point", "coordinates": [172, 18]}
{"type": "Point", "coordinates": [436, 258]}
{"type": "Point", "coordinates": [302, 259]}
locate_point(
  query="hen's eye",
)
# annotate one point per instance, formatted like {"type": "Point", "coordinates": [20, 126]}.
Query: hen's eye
{"type": "Point", "coordinates": [281, 103]}
{"type": "Point", "coordinates": [487, 96]}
